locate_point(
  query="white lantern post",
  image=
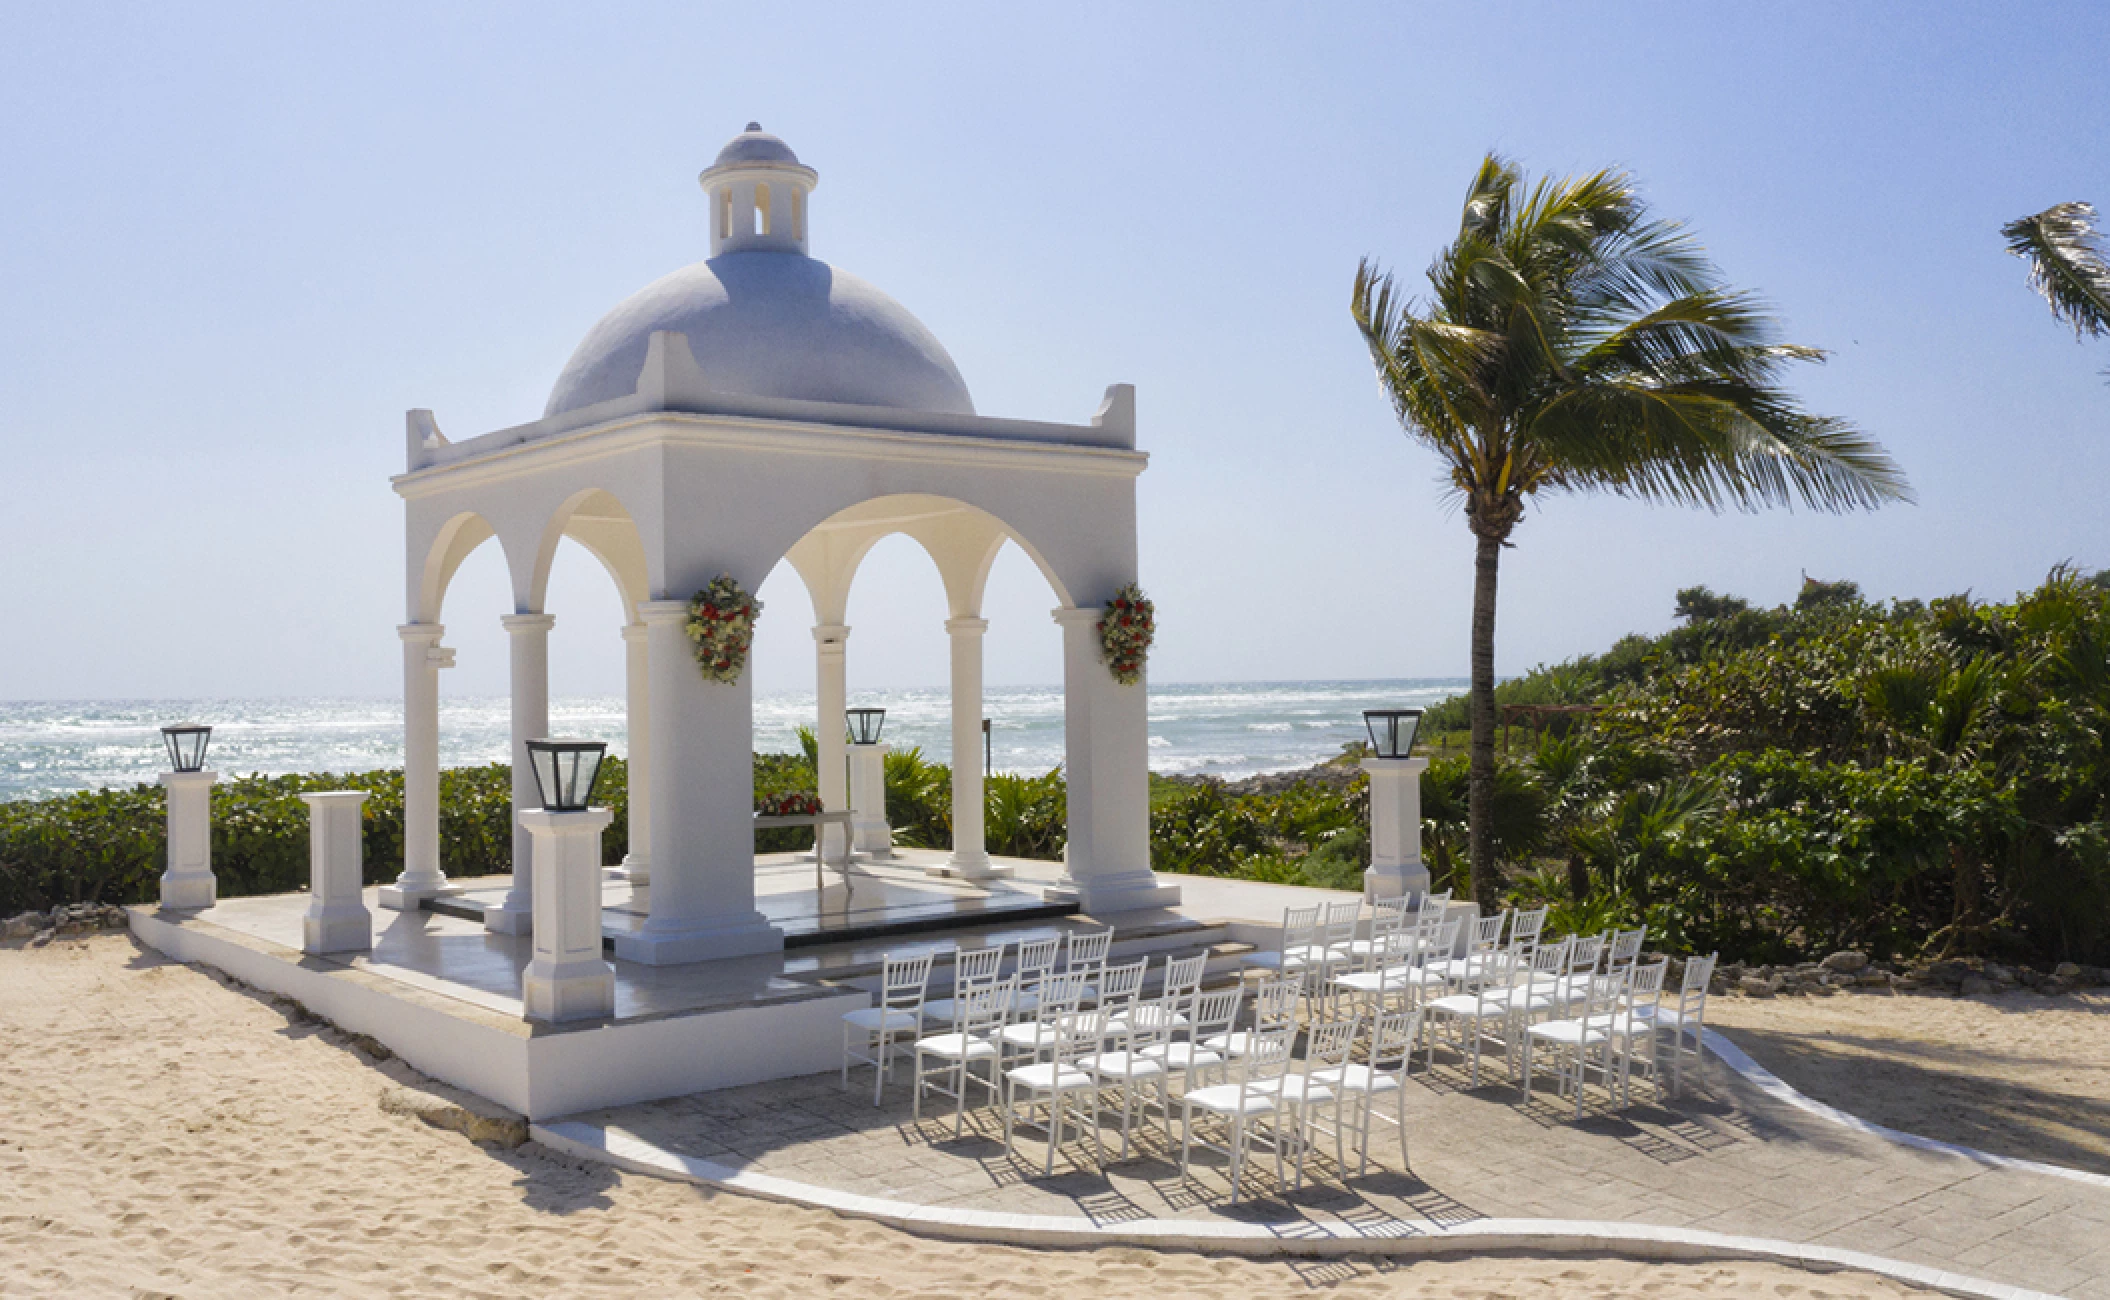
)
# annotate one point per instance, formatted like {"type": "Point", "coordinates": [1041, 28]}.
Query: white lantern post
{"type": "Point", "coordinates": [869, 832]}
{"type": "Point", "coordinates": [337, 919]}
{"type": "Point", "coordinates": [188, 880]}
{"type": "Point", "coordinates": [567, 978]}
{"type": "Point", "coordinates": [1395, 805]}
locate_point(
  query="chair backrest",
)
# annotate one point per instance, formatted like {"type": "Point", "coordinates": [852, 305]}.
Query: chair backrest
{"type": "Point", "coordinates": [1389, 916]}
{"type": "Point", "coordinates": [1582, 957]}
{"type": "Point", "coordinates": [1183, 975]}
{"type": "Point", "coordinates": [1525, 929]}
{"type": "Point", "coordinates": [1329, 1043]}
{"type": "Point", "coordinates": [1216, 1012]}
{"type": "Point", "coordinates": [981, 1009]}
{"type": "Point", "coordinates": [903, 981]}
{"type": "Point", "coordinates": [1088, 949]}
{"type": "Point", "coordinates": [1059, 994]}
{"type": "Point", "coordinates": [1152, 1020]}
{"type": "Point", "coordinates": [1498, 970]}
{"type": "Point", "coordinates": [1603, 996]}
{"type": "Point", "coordinates": [1699, 975]}
{"type": "Point", "coordinates": [1080, 1033]}
{"type": "Point", "coordinates": [1625, 949]}
{"type": "Point", "coordinates": [1300, 925]}
{"type": "Point", "coordinates": [978, 965]}
{"type": "Point", "coordinates": [1036, 957]}
{"type": "Point", "coordinates": [1645, 988]}
{"type": "Point", "coordinates": [1441, 940]}
{"type": "Point", "coordinates": [1392, 1038]}
{"type": "Point", "coordinates": [1487, 933]}
{"type": "Point", "coordinates": [1341, 920]}
{"type": "Point", "coordinates": [1267, 1060]}
{"type": "Point", "coordinates": [1550, 960]}
{"type": "Point", "coordinates": [1120, 986]}
{"type": "Point", "coordinates": [1275, 1005]}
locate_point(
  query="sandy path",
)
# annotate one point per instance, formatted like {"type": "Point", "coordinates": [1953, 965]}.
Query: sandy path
{"type": "Point", "coordinates": [164, 1135]}
{"type": "Point", "coordinates": [2017, 1074]}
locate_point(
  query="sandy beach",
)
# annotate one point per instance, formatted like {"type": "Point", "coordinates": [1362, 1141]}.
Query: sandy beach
{"type": "Point", "coordinates": [162, 1134]}
{"type": "Point", "coordinates": [2016, 1073]}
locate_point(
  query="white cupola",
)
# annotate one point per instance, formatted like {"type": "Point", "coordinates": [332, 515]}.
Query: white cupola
{"type": "Point", "coordinates": [758, 191]}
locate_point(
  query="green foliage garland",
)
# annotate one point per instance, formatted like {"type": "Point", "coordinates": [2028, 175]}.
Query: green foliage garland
{"type": "Point", "coordinates": [1125, 633]}
{"type": "Point", "coordinates": [722, 627]}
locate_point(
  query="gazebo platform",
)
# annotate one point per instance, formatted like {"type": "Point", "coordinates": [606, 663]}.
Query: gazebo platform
{"type": "Point", "coordinates": [442, 992]}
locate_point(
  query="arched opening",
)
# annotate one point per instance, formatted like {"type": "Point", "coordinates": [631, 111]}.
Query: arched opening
{"type": "Point", "coordinates": [762, 215]}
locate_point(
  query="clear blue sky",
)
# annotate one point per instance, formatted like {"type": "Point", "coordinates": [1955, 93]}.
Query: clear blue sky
{"type": "Point", "coordinates": [236, 242]}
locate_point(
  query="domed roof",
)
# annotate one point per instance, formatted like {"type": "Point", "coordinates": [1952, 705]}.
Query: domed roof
{"type": "Point", "coordinates": [754, 145]}
{"type": "Point", "coordinates": [771, 324]}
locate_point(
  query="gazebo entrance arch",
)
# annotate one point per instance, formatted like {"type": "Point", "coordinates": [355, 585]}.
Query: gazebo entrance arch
{"type": "Point", "coordinates": [676, 484]}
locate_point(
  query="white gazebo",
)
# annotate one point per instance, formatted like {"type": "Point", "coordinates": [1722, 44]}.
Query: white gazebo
{"type": "Point", "coordinates": [755, 407]}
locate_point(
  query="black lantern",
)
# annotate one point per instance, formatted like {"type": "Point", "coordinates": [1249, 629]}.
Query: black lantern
{"type": "Point", "coordinates": [864, 725]}
{"type": "Point", "coordinates": [1391, 731]}
{"type": "Point", "coordinates": [566, 771]}
{"type": "Point", "coordinates": [186, 743]}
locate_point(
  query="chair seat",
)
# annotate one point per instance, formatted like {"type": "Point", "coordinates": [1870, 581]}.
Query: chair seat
{"type": "Point", "coordinates": [1047, 1076]}
{"type": "Point", "coordinates": [1569, 1032]}
{"type": "Point", "coordinates": [1358, 1078]}
{"type": "Point", "coordinates": [879, 1018]}
{"type": "Point", "coordinates": [1147, 1017]}
{"type": "Point", "coordinates": [1229, 1099]}
{"type": "Point", "coordinates": [1030, 1034]}
{"type": "Point", "coordinates": [1181, 1056]}
{"type": "Point", "coordinates": [1467, 1007]}
{"type": "Point", "coordinates": [1122, 1065]}
{"type": "Point", "coordinates": [1672, 1018]}
{"type": "Point", "coordinates": [954, 1047]}
{"type": "Point", "coordinates": [1525, 998]}
{"type": "Point", "coordinates": [1296, 959]}
{"type": "Point", "coordinates": [1234, 1044]}
{"type": "Point", "coordinates": [1298, 1090]}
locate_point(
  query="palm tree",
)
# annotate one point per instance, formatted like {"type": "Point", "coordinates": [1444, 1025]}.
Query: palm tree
{"type": "Point", "coordinates": [1570, 342]}
{"type": "Point", "coordinates": [2066, 265]}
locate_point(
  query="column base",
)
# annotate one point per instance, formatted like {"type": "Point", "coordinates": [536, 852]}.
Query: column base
{"type": "Point", "coordinates": [579, 992]}
{"type": "Point", "coordinates": [1126, 892]}
{"type": "Point", "coordinates": [510, 917]}
{"type": "Point", "coordinates": [633, 869]}
{"type": "Point", "coordinates": [408, 894]}
{"type": "Point", "coordinates": [339, 931]}
{"type": "Point", "coordinates": [182, 893]}
{"type": "Point", "coordinates": [711, 939]}
{"type": "Point", "coordinates": [979, 867]}
{"type": "Point", "coordinates": [1392, 879]}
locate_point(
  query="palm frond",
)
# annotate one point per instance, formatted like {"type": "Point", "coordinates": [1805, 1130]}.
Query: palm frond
{"type": "Point", "coordinates": [2066, 264]}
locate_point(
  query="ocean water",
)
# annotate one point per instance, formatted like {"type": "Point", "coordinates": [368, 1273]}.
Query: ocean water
{"type": "Point", "coordinates": [1227, 729]}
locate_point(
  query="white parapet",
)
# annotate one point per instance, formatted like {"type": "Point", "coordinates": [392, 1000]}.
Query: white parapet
{"type": "Point", "coordinates": [869, 832]}
{"type": "Point", "coordinates": [567, 978]}
{"type": "Point", "coordinates": [1395, 828]}
{"type": "Point", "coordinates": [337, 919]}
{"type": "Point", "coordinates": [188, 881]}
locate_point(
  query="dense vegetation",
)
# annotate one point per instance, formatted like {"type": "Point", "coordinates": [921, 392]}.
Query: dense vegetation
{"type": "Point", "coordinates": [1909, 779]}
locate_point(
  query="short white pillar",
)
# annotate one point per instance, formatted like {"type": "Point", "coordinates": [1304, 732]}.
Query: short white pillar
{"type": "Point", "coordinates": [529, 634]}
{"type": "Point", "coordinates": [869, 832]}
{"type": "Point", "coordinates": [832, 697]}
{"type": "Point", "coordinates": [567, 978]}
{"type": "Point", "coordinates": [337, 919]}
{"type": "Point", "coordinates": [1395, 828]}
{"type": "Point", "coordinates": [970, 854]}
{"type": "Point", "coordinates": [423, 657]}
{"type": "Point", "coordinates": [636, 866]}
{"type": "Point", "coordinates": [1106, 763]}
{"type": "Point", "coordinates": [188, 881]}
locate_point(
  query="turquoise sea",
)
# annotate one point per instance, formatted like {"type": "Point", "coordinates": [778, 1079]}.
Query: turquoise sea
{"type": "Point", "coordinates": [1225, 729]}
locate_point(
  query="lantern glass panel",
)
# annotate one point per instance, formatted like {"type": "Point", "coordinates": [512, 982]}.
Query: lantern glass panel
{"type": "Point", "coordinates": [1391, 731]}
{"type": "Point", "coordinates": [186, 742]}
{"type": "Point", "coordinates": [864, 725]}
{"type": "Point", "coordinates": [566, 772]}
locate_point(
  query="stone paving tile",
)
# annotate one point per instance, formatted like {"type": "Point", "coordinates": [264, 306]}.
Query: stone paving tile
{"type": "Point", "coordinates": [1724, 1157]}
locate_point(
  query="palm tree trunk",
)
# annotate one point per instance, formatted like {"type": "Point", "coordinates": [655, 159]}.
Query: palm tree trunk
{"type": "Point", "coordinates": [1480, 787]}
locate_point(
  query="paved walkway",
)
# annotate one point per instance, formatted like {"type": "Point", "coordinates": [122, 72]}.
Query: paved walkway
{"type": "Point", "coordinates": [1725, 1158]}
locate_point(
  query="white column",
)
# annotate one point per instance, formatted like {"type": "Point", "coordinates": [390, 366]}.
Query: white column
{"type": "Point", "coordinates": [970, 857]}
{"type": "Point", "coordinates": [637, 711]}
{"type": "Point", "coordinates": [423, 657]}
{"type": "Point", "coordinates": [188, 881]}
{"type": "Point", "coordinates": [832, 695]}
{"type": "Point", "coordinates": [869, 832]}
{"type": "Point", "coordinates": [1106, 763]}
{"type": "Point", "coordinates": [701, 903]}
{"type": "Point", "coordinates": [1395, 828]}
{"type": "Point", "coordinates": [567, 978]}
{"type": "Point", "coordinates": [529, 637]}
{"type": "Point", "coordinates": [337, 919]}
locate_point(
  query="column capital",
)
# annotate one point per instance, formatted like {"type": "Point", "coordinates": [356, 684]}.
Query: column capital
{"type": "Point", "coordinates": [1071, 616]}
{"type": "Point", "coordinates": [633, 632]}
{"type": "Point", "coordinates": [519, 623]}
{"type": "Point", "coordinates": [327, 798]}
{"type": "Point", "coordinates": [830, 636]}
{"type": "Point", "coordinates": [428, 632]}
{"type": "Point", "coordinates": [967, 626]}
{"type": "Point", "coordinates": [662, 612]}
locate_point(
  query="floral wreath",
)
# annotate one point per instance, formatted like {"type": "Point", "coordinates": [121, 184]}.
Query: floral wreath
{"type": "Point", "coordinates": [1125, 632]}
{"type": "Point", "coordinates": [722, 626]}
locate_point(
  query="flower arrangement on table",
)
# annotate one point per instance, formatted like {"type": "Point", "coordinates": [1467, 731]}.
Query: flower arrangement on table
{"type": "Point", "coordinates": [1125, 632]}
{"type": "Point", "coordinates": [722, 628]}
{"type": "Point", "coordinates": [788, 803]}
